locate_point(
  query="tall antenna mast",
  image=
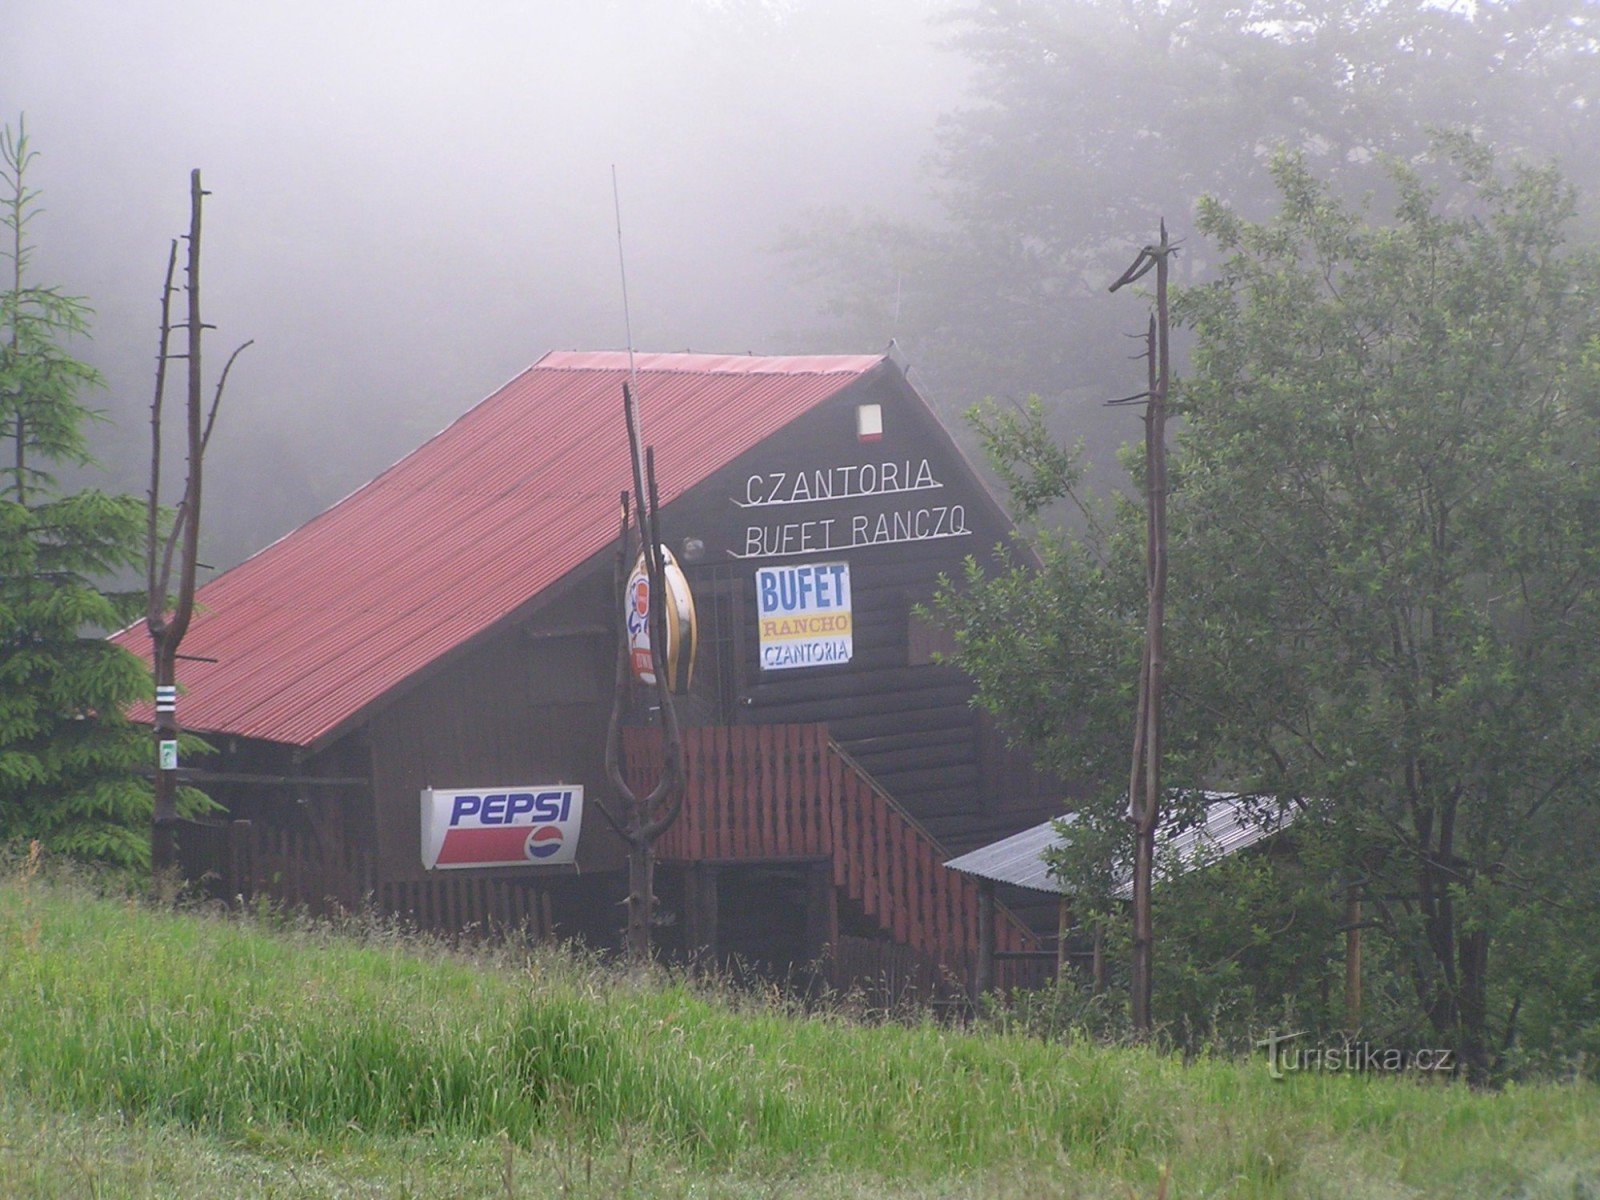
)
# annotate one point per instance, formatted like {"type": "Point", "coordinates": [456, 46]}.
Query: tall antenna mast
{"type": "Point", "coordinates": [627, 317]}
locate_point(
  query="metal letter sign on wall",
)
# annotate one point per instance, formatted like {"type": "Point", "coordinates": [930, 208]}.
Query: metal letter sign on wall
{"type": "Point", "coordinates": [862, 504]}
{"type": "Point", "coordinates": [501, 826]}
{"type": "Point", "coordinates": [681, 625]}
{"type": "Point", "coordinates": [804, 615]}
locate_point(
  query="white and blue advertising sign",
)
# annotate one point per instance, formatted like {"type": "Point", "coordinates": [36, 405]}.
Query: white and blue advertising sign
{"type": "Point", "coordinates": [804, 615]}
{"type": "Point", "coordinates": [501, 826]}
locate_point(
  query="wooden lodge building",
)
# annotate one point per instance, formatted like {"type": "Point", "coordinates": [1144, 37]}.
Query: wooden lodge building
{"type": "Point", "coordinates": [451, 625]}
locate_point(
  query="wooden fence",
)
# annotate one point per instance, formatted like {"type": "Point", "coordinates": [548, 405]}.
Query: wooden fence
{"type": "Point", "coordinates": [250, 859]}
{"type": "Point", "coordinates": [464, 902]}
{"type": "Point", "coordinates": [247, 860]}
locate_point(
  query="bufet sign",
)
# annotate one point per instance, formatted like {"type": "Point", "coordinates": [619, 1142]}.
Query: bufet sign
{"type": "Point", "coordinates": [804, 615]}
{"type": "Point", "coordinates": [501, 826]}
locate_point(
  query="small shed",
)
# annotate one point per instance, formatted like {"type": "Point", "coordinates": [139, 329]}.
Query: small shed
{"type": "Point", "coordinates": [1020, 861]}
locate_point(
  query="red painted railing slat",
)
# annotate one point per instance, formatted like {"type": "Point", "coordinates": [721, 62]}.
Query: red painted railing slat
{"type": "Point", "coordinates": [785, 791]}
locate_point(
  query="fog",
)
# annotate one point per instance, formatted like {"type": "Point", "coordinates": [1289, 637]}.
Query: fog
{"type": "Point", "coordinates": [413, 201]}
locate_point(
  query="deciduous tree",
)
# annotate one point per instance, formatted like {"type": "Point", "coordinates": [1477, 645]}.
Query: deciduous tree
{"type": "Point", "coordinates": [1385, 577]}
{"type": "Point", "coordinates": [1392, 488]}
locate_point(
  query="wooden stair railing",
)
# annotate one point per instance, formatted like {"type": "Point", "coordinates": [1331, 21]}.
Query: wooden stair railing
{"type": "Point", "coordinates": [789, 791]}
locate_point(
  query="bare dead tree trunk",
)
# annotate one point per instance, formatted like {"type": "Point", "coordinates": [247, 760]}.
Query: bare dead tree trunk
{"type": "Point", "coordinates": [640, 821]}
{"type": "Point", "coordinates": [181, 545]}
{"type": "Point", "coordinates": [1144, 780]}
{"type": "Point", "coordinates": [17, 203]}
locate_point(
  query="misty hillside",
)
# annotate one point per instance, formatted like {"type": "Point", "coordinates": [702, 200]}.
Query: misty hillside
{"type": "Point", "coordinates": [413, 202]}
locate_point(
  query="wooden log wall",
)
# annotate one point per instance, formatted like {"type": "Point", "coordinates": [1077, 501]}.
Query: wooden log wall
{"type": "Point", "coordinates": [910, 724]}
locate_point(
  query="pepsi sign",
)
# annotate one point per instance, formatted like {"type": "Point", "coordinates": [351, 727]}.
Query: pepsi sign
{"type": "Point", "coordinates": [501, 826]}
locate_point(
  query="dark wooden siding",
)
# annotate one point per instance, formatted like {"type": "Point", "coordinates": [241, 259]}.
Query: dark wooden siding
{"type": "Point", "coordinates": [906, 720]}
{"type": "Point", "coordinates": [531, 701]}
{"type": "Point", "coordinates": [274, 786]}
{"type": "Point", "coordinates": [527, 706]}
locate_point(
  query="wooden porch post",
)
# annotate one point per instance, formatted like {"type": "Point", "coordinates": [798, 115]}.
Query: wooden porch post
{"type": "Point", "coordinates": [822, 912]}
{"type": "Point", "coordinates": [983, 976]}
{"type": "Point", "coordinates": [1062, 918]}
{"type": "Point", "coordinates": [700, 912]}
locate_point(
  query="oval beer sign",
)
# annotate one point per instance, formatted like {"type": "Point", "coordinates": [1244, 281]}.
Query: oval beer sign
{"type": "Point", "coordinates": [681, 625]}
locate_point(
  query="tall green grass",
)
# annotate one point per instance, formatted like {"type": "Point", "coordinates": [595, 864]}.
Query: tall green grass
{"type": "Point", "coordinates": [229, 1027]}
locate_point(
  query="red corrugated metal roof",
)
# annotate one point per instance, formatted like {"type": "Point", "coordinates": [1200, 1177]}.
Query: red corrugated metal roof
{"type": "Point", "coordinates": [461, 532]}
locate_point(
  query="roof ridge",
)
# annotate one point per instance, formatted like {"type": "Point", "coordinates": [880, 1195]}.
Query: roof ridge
{"type": "Point", "coordinates": [688, 362]}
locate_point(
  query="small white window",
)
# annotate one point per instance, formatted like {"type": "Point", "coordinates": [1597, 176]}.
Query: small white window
{"type": "Point", "coordinates": [869, 422]}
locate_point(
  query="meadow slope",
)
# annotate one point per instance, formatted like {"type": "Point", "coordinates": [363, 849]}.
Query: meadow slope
{"type": "Point", "coordinates": [147, 1053]}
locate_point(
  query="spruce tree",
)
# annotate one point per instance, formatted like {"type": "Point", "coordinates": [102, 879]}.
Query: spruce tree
{"type": "Point", "coordinates": [68, 753]}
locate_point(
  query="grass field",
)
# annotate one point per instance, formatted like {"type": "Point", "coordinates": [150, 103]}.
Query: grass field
{"type": "Point", "coordinates": [150, 1054]}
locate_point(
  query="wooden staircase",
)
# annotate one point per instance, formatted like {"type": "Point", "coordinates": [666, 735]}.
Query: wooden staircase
{"type": "Point", "coordinates": [775, 792]}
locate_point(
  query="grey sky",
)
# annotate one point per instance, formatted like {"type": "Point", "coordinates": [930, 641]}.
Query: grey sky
{"type": "Point", "coordinates": [412, 200]}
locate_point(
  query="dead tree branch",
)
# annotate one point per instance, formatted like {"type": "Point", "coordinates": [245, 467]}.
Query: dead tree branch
{"type": "Point", "coordinates": [180, 547]}
{"type": "Point", "coordinates": [642, 820]}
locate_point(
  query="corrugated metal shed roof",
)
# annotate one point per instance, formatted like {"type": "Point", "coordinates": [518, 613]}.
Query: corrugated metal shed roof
{"type": "Point", "coordinates": [461, 532]}
{"type": "Point", "coordinates": [1019, 859]}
